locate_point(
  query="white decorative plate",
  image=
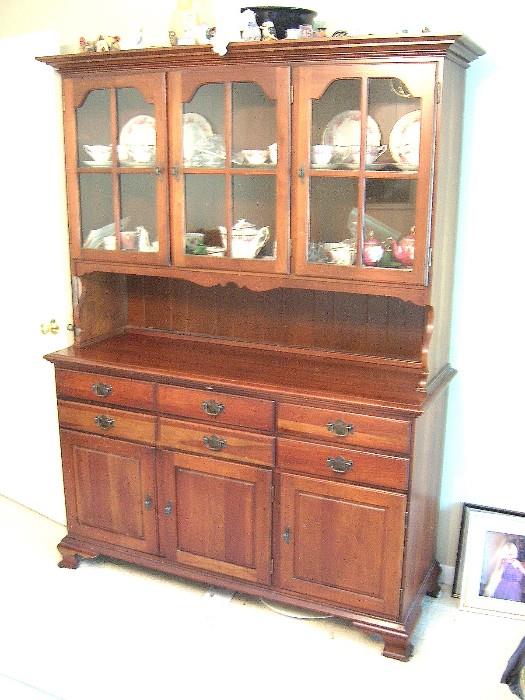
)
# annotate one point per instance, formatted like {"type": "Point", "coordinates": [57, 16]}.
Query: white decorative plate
{"type": "Point", "coordinates": [97, 163]}
{"type": "Point", "coordinates": [345, 130]}
{"type": "Point", "coordinates": [196, 128]}
{"type": "Point", "coordinates": [139, 131]}
{"type": "Point", "coordinates": [404, 139]}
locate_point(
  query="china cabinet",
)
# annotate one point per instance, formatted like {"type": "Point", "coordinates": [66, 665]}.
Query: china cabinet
{"type": "Point", "coordinates": [262, 251]}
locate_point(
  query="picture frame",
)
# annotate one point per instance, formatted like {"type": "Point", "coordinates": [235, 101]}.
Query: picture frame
{"type": "Point", "coordinates": [490, 563]}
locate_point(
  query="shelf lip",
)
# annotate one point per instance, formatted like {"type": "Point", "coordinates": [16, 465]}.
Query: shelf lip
{"type": "Point", "coordinates": [456, 46]}
{"type": "Point", "coordinates": [277, 375]}
{"type": "Point", "coordinates": [258, 281]}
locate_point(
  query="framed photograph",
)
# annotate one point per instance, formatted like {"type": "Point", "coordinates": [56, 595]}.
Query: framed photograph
{"type": "Point", "coordinates": [490, 566]}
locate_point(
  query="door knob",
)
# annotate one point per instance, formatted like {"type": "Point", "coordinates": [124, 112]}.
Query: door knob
{"type": "Point", "coordinates": [51, 327]}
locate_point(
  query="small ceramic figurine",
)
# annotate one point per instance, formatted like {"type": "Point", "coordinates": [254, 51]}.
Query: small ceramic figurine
{"type": "Point", "coordinates": [101, 44]}
{"type": "Point", "coordinates": [249, 28]}
{"type": "Point", "coordinates": [268, 31]}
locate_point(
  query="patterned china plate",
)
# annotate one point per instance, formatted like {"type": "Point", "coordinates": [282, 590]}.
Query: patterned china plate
{"type": "Point", "coordinates": [196, 128]}
{"type": "Point", "coordinates": [139, 131]}
{"type": "Point", "coordinates": [404, 139]}
{"type": "Point", "coordinates": [345, 130]}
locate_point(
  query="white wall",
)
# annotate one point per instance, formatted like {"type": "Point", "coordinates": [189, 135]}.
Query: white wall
{"type": "Point", "coordinates": [483, 461]}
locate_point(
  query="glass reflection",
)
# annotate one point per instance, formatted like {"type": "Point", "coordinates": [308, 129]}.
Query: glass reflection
{"type": "Point", "coordinates": [332, 235]}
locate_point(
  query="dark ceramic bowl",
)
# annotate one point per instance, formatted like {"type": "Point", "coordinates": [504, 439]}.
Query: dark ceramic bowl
{"type": "Point", "coordinates": [283, 18]}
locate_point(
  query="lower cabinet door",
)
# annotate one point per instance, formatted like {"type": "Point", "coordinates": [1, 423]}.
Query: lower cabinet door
{"type": "Point", "coordinates": [215, 515]}
{"type": "Point", "coordinates": [110, 490]}
{"type": "Point", "coordinates": [341, 543]}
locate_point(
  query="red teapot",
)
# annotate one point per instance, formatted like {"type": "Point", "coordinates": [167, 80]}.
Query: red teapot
{"type": "Point", "coordinates": [372, 250]}
{"type": "Point", "coordinates": [403, 250]}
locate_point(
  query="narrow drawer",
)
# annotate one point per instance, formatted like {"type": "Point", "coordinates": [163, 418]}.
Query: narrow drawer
{"type": "Point", "coordinates": [357, 429]}
{"type": "Point", "coordinates": [216, 441]}
{"type": "Point", "coordinates": [105, 389]}
{"type": "Point", "coordinates": [216, 406]}
{"type": "Point", "coordinates": [102, 420]}
{"type": "Point", "coordinates": [342, 463]}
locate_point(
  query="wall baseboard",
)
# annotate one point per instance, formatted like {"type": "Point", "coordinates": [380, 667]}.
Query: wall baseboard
{"type": "Point", "coordinates": [447, 575]}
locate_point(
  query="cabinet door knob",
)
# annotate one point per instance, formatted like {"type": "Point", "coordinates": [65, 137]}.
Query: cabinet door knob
{"type": "Point", "coordinates": [339, 464]}
{"type": "Point", "coordinates": [214, 443]}
{"type": "Point", "coordinates": [175, 171]}
{"type": "Point", "coordinates": [102, 389]}
{"type": "Point", "coordinates": [168, 508]}
{"type": "Point", "coordinates": [148, 503]}
{"type": "Point", "coordinates": [287, 535]}
{"type": "Point", "coordinates": [340, 428]}
{"type": "Point", "coordinates": [104, 422]}
{"type": "Point", "coordinates": [212, 407]}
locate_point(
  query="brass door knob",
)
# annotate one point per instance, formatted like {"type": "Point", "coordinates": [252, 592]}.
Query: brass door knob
{"type": "Point", "coordinates": [51, 327]}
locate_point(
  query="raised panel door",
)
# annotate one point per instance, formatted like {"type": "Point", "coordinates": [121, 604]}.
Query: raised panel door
{"type": "Point", "coordinates": [341, 543]}
{"type": "Point", "coordinates": [110, 490]}
{"type": "Point", "coordinates": [215, 515]}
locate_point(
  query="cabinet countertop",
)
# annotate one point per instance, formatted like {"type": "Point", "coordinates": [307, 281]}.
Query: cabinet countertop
{"type": "Point", "coordinates": [280, 373]}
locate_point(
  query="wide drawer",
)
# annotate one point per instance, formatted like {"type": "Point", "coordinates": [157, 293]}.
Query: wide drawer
{"type": "Point", "coordinates": [216, 441]}
{"type": "Point", "coordinates": [103, 420]}
{"type": "Point", "coordinates": [105, 389]}
{"type": "Point", "coordinates": [342, 463]}
{"type": "Point", "coordinates": [229, 409]}
{"type": "Point", "coordinates": [358, 429]}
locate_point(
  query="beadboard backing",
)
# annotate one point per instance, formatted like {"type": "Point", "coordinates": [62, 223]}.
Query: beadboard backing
{"type": "Point", "coordinates": [332, 321]}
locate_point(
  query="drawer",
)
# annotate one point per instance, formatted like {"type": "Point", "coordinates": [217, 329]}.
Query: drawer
{"type": "Point", "coordinates": [216, 441]}
{"type": "Point", "coordinates": [105, 389]}
{"type": "Point", "coordinates": [216, 406]}
{"type": "Point", "coordinates": [357, 429]}
{"type": "Point", "coordinates": [342, 463]}
{"type": "Point", "coordinates": [111, 422]}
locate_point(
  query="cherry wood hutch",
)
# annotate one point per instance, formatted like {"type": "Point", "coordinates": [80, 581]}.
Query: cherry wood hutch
{"type": "Point", "coordinates": [262, 256]}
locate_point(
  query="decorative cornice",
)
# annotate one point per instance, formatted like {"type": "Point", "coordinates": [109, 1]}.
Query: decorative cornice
{"type": "Point", "coordinates": [455, 46]}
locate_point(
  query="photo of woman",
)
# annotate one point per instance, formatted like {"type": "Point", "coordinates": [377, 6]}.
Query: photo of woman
{"type": "Point", "coordinates": [503, 574]}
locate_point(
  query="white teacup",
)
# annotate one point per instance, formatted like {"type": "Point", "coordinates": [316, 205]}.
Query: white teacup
{"type": "Point", "coordinates": [255, 156]}
{"type": "Point", "coordinates": [373, 153]}
{"type": "Point", "coordinates": [272, 150]}
{"type": "Point", "coordinates": [109, 242]}
{"type": "Point", "coordinates": [98, 152]}
{"type": "Point", "coordinates": [141, 154]}
{"type": "Point", "coordinates": [321, 154]}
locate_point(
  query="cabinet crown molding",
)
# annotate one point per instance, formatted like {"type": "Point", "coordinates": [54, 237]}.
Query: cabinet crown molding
{"type": "Point", "coordinates": [457, 47]}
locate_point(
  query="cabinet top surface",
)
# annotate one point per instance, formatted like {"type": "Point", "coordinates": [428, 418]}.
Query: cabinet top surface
{"type": "Point", "coordinates": [455, 46]}
{"type": "Point", "coordinates": [278, 374]}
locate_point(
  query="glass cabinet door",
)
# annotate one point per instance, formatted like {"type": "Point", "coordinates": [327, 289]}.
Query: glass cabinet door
{"type": "Point", "coordinates": [116, 153]}
{"type": "Point", "coordinates": [229, 155]}
{"type": "Point", "coordinates": [364, 147]}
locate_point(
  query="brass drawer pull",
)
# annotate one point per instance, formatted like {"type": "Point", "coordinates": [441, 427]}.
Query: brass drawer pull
{"type": "Point", "coordinates": [104, 422]}
{"type": "Point", "coordinates": [212, 407]}
{"type": "Point", "coordinates": [214, 443]}
{"type": "Point", "coordinates": [340, 428]}
{"type": "Point", "coordinates": [102, 389]}
{"type": "Point", "coordinates": [339, 464]}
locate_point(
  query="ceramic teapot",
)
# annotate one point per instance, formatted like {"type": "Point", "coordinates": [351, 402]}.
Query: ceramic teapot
{"type": "Point", "coordinates": [247, 240]}
{"type": "Point", "coordinates": [404, 249]}
{"type": "Point", "coordinates": [372, 250]}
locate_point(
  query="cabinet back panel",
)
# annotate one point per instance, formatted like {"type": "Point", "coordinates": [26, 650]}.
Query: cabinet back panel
{"type": "Point", "coordinates": [348, 323]}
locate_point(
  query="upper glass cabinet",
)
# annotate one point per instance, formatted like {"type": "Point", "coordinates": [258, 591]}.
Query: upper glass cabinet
{"type": "Point", "coordinates": [117, 182]}
{"type": "Point", "coordinates": [229, 153]}
{"type": "Point", "coordinates": [363, 162]}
